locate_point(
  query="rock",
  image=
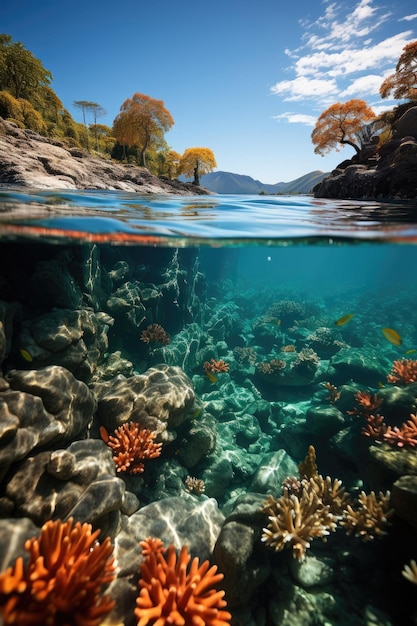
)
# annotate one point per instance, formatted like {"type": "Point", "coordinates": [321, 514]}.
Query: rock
{"type": "Point", "coordinates": [180, 520]}
{"type": "Point", "coordinates": [273, 469]}
{"type": "Point", "coordinates": [161, 399]}
{"type": "Point", "coordinates": [313, 571]}
{"type": "Point", "coordinates": [366, 366]}
{"type": "Point", "coordinates": [324, 420]}
{"type": "Point", "coordinates": [30, 160]}
{"type": "Point", "coordinates": [404, 499]}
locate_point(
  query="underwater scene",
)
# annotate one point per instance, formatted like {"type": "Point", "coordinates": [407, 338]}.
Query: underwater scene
{"type": "Point", "coordinates": [207, 425]}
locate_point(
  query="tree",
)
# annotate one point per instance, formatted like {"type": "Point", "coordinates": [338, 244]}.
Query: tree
{"type": "Point", "coordinates": [141, 121]}
{"type": "Point", "coordinates": [341, 123]}
{"type": "Point", "coordinates": [403, 83]}
{"type": "Point", "coordinates": [196, 162]}
{"type": "Point", "coordinates": [85, 105]}
{"type": "Point", "coordinates": [20, 72]}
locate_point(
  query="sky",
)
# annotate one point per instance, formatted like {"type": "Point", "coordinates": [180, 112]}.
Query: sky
{"type": "Point", "coordinates": [246, 78]}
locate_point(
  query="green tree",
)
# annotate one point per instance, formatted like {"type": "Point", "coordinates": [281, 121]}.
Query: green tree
{"type": "Point", "coordinates": [341, 124]}
{"type": "Point", "coordinates": [142, 121]}
{"type": "Point", "coordinates": [21, 73]}
{"type": "Point", "coordinates": [196, 162]}
{"type": "Point", "coordinates": [85, 106]}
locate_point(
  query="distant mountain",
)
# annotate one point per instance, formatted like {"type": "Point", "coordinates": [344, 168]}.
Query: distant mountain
{"type": "Point", "coordinates": [227, 182]}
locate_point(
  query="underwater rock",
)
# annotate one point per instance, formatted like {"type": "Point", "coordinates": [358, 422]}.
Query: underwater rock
{"type": "Point", "coordinates": [179, 520]}
{"type": "Point", "coordinates": [198, 441]}
{"type": "Point", "coordinates": [313, 571]}
{"type": "Point", "coordinates": [110, 366]}
{"type": "Point", "coordinates": [160, 399]}
{"type": "Point", "coordinates": [76, 340]}
{"type": "Point", "coordinates": [366, 366]}
{"type": "Point", "coordinates": [273, 469]}
{"type": "Point", "coordinates": [225, 320]}
{"type": "Point", "coordinates": [398, 402]}
{"type": "Point", "coordinates": [184, 348]}
{"type": "Point", "coordinates": [324, 420]}
{"type": "Point", "coordinates": [7, 315]}
{"type": "Point", "coordinates": [46, 406]}
{"type": "Point", "coordinates": [13, 534]}
{"type": "Point", "coordinates": [387, 464]}
{"type": "Point", "coordinates": [126, 303]}
{"type": "Point", "coordinates": [77, 482]}
{"type": "Point", "coordinates": [404, 499]}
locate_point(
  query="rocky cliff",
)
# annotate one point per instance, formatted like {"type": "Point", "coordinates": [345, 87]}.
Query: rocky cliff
{"type": "Point", "coordinates": [385, 172]}
{"type": "Point", "coordinates": [31, 160]}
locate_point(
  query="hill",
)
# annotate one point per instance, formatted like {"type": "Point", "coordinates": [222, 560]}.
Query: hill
{"type": "Point", "coordinates": [228, 182]}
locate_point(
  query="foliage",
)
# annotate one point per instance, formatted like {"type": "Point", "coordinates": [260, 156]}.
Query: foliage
{"type": "Point", "coordinates": [403, 83]}
{"type": "Point", "coordinates": [20, 72]}
{"type": "Point", "coordinates": [141, 120]}
{"type": "Point", "coordinates": [196, 162]}
{"type": "Point", "coordinates": [341, 123]}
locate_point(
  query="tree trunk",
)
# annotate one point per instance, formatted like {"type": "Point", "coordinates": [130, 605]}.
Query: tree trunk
{"type": "Point", "coordinates": [196, 180]}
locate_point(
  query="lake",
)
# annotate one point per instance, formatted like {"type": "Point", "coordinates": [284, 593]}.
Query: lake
{"type": "Point", "coordinates": [234, 374]}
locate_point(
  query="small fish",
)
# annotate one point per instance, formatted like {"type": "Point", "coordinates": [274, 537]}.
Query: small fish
{"type": "Point", "coordinates": [411, 351]}
{"type": "Point", "coordinates": [26, 355]}
{"type": "Point", "coordinates": [344, 319]}
{"type": "Point", "coordinates": [380, 384]}
{"type": "Point", "coordinates": [197, 412]}
{"type": "Point", "coordinates": [212, 378]}
{"type": "Point", "coordinates": [391, 335]}
{"type": "Point", "coordinates": [278, 322]}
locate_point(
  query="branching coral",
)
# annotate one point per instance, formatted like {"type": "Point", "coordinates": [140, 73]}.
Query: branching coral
{"type": "Point", "coordinates": [195, 485]}
{"type": "Point", "coordinates": [368, 403]}
{"type": "Point", "coordinates": [410, 572]}
{"type": "Point", "coordinates": [369, 519]}
{"type": "Point", "coordinates": [294, 522]}
{"type": "Point", "coordinates": [62, 583]}
{"type": "Point", "coordinates": [154, 333]}
{"type": "Point", "coordinates": [173, 591]}
{"type": "Point", "coordinates": [216, 366]}
{"type": "Point", "coordinates": [404, 436]}
{"type": "Point", "coordinates": [330, 492]}
{"type": "Point", "coordinates": [404, 371]}
{"type": "Point", "coordinates": [375, 427]}
{"type": "Point", "coordinates": [131, 445]}
{"type": "Point", "coordinates": [271, 367]}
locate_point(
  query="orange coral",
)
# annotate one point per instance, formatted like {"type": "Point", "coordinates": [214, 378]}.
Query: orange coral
{"type": "Point", "coordinates": [216, 366]}
{"type": "Point", "coordinates": [403, 371]}
{"type": "Point", "coordinates": [368, 403]}
{"type": "Point", "coordinates": [131, 444]}
{"type": "Point", "coordinates": [405, 435]}
{"type": "Point", "coordinates": [154, 333]}
{"type": "Point", "coordinates": [171, 595]}
{"type": "Point", "coordinates": [375, 426]}
{"type": "Point", "coordinates": [61, 585]}
{"type": "Point", "coordinates": [152, 544]}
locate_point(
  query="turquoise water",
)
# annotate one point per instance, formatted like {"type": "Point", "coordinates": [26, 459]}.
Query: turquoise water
{"type": "Point", "coordinates": [299, 299]}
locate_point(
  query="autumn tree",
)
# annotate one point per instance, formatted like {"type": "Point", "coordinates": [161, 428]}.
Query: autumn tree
{"type": "Point", "coordinates": [403, 83]}
{"type": "Point", "coordinates": [141, 121]}
{"type": "Point", "coordinates": [341, 123]}
{"type": "Point", "coordinates": [196, 162]}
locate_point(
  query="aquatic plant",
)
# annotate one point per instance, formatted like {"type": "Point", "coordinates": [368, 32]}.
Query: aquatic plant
{"type": "Point", "coordinates": [63, 580]}
{"type": "Point", "coordinates": [131, 445]}
{"type": "Point", "coordinates": [403, 372]}
{"type": "Point", "coordinates": [173, 591]}
{"type": "Point", "coordinates": [369, 518]}
{"type": "Point", "coordinates": [154, 333]}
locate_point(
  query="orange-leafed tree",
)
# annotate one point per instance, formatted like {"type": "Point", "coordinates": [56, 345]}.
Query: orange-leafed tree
{"type": "Point", "coordinates": [403, 82]}
{"type": "Point", "coordinates": [141, 121]}
{"type": "Point", "coordinates": [196, 162]}
{"type": "Point", "coordinates": [341, 124]}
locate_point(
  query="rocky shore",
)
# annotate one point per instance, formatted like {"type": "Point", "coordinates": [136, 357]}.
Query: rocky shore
{"type": "Point", "coordinates": [31, 160]}
{"type": "Point", "coordinates": [385, 172]}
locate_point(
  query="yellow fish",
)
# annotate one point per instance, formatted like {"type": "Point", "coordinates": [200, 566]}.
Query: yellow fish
{"type": "Point", "coordinates": [344, 319]}
{"type": "Point", "coordinates": [411, 351]}
{"type": "Point", "coordinates": [380, 384]}
{"type": "Point", "coordinates": [212, 378]}
{"type": "Point", "coordinates": [26, 355]}
{"type": "Point", "coordinates": [392, 336]}
{"type": "Point", "coordinates": [278, 322]}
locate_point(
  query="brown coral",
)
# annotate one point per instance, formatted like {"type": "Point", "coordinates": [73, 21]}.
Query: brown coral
{"type": "Point", "coordinates": [271, 367]}
{"type": "Point", "coordinates": [404, 371]}
{"type": "Point", "coordinates": [154, 333]}
{"type": "Point", "coordinates": [215, 367]}
{"type": "Point", "coordinates": [294, 522]}
{"type": "Point", "coordinates": [131, 445]}
{"type": "Point", "coordinates": [62, 583]}
{"type": "Point", "coordinates": [174, 592]}
{"type": "Point", "coordinates": [369, 519]}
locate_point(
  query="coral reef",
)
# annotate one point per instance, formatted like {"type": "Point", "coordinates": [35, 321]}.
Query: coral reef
{"type": "Point", "coordinates": [154, 333]}
{"type": "Point", "coordinates": [63, 580]}
{"type": "Point", "coordinates": [173, 591]}
{"type": "Point", "coordinates": [131, 445]}
{"type": "Point", "coordinates": [403, 372]}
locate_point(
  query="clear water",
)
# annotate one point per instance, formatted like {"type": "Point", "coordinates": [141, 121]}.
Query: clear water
{"type": "Point", "coordinates": [239, 278]}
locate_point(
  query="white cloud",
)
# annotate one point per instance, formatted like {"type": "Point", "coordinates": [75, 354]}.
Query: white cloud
{"type": "Point", "coordinates": [408, 18]}
{"type": "Point", "coordinates": [362, 86]}
{"type": "Point", "coordinates": [303, 87]}
{"type": "Point", "coordinates": [297, 118]}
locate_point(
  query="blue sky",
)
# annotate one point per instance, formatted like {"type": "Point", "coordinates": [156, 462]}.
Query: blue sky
{"type": "Point", "coordinates": [247, 79]}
